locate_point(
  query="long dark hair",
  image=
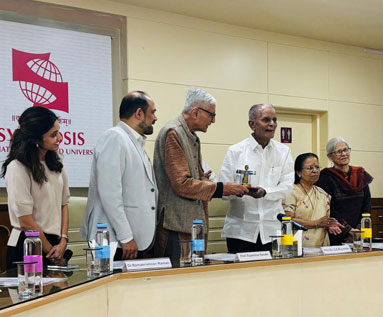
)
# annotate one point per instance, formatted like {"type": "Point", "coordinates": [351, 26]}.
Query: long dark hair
{"type": "Point", "coordinates": [26, 140]}
{"type": "Point", "coordinates": [298, 165]}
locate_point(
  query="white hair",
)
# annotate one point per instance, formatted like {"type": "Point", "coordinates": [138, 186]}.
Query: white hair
{"type": "Point", "coordinates": [255, 110]}
{"type": "Point", "coordinates": [197, 96]}
{"type": "Point", "coordinates": [333, 142]}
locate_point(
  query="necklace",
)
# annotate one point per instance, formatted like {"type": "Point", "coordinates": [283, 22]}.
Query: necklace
{"type": "Point", "coordinates": [307, 195]}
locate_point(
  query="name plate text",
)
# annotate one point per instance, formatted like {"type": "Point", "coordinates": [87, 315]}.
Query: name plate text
{"type": "Point", "coordinates": [147, 264]}
{"type": "Point", "coordinates": [336, 249]}
{"type": "Point", "coordinates": [253, 256]}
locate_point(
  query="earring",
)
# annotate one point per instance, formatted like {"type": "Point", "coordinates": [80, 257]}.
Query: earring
{"type": "Point", "coordinates": [37, 145]}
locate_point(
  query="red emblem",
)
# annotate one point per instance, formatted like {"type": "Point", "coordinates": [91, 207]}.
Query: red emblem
{"type": "Point", "coordinates": [40, 80]}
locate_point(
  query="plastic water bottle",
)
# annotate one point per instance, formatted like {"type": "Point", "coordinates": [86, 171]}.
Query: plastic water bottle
{"type": "Point", "coordinates": [198, 242]}
{"type": "Point", "coordinates": [102, 240]}
{"type": "Point", "coordinates": [287, 238]}
{"type": "Point", "coordinates": [366, 228]}
{"type": "Point", "coordinates": [33, 252]}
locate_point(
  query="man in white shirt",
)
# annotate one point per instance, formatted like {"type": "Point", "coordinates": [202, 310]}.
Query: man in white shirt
{"type": "Point", "coordinates": [252, 219]}
{"type": "Point", "coordinates": [123, 191]}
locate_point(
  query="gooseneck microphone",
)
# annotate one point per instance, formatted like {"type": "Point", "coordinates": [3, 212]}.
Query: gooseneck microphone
{"type": "Point", "coordinates": [296, 225]}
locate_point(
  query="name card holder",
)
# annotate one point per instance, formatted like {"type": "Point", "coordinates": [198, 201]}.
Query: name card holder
{"type": "Point", "coordinates": [336, 249]}
{"type": "Point", "coordinates": [146, 265]}
{"type": "Point", "coordinates": [254, 256]}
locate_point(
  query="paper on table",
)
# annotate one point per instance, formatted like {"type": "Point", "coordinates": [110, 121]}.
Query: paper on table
{"type": "Point", "coordinates": [222, 257]}
{"type": "Point", "coordinates": [8, 281]}
{"type": "Point", "coordinates": [118, 265]}
{"type": "Point", "coordinates": [377, 245]}
{"type": "Point", "coordinates": [312, 251]}
{"type": "Point", "coordinates": [51, 280]}
{"type": "Point", "coordinates": [12, 281]}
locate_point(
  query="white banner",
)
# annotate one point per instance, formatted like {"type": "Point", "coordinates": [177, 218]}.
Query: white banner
{"type": "Point", "coordinates": [68, 72]}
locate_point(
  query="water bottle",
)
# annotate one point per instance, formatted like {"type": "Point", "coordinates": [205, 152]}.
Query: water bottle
{"type": "Point", "coordinates": [366, 228]}
{"type": "Point", "coordinates": [33, 252]}
{"type": "Point", "coordinates": [102, 240]}
{"type": "Point", "coordinates": [287, 238]}
{"type": "Point", "coordinates": [198, 242]}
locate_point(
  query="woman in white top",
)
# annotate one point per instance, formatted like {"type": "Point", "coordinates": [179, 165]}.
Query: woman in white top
{"type": "Point", "coordinates": [37, 187]}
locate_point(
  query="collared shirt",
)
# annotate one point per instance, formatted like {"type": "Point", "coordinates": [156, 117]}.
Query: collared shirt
{"type": "Point", "coordinates": [141, 139]}
{"type": "Point", "coordinates": [273, 170]}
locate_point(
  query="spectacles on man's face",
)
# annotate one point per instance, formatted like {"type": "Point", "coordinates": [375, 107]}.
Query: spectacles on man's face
{"type": "Point", "coordinates": [346, 150]}
{"type": "Point", "coordinates": [211, 114]}
{"type": "Point", "coordinates": [312, 168]}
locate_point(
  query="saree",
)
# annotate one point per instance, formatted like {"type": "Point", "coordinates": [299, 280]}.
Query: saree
{"type": "Point", "coordinates": [312, 206]}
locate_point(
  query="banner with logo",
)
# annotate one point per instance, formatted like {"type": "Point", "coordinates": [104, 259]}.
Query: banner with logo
{"type": "Point", "coordinates": [66, 71]}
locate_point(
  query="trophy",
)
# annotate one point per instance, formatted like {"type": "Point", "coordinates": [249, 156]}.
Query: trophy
{"type": "Point", "coordinates": [243, 177]}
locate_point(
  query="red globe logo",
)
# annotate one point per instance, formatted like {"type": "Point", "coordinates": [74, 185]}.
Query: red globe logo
{"type": "Point", "coordinates": [35, 93]}
{"type": "Point", "coordinates": [40, 80]}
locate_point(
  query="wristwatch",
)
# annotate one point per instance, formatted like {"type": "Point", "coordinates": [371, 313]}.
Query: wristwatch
{"type": "Point", "coordinates": [65, 236]}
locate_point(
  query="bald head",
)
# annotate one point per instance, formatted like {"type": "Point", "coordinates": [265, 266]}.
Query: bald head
{"type": "Point", "coordinates": [256, 110]}
{"type": "Point", "coordinates": [133, 101]}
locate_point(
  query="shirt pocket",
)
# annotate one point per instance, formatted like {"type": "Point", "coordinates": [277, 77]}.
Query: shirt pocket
{"type": "Point", "coordinates": [274, 175]}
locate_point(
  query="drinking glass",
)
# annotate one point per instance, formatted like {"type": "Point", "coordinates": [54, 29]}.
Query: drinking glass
{"type": "Point", "coordinates": [92, 263]}
{"type": "Point", "coordinates": [26, 279]}
{"type": "Point", "coordinates": [185, 256]}
{"type": "Point", "coordinates": [357, 245]}
{"type": "Point", "coordinates": [276, 249]}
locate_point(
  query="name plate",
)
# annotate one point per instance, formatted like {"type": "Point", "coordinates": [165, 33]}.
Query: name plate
{"type": "Point", "coordinates": [336, 249]}
{"type": "Point", "coordinates": [147, 264]}
{"type": "Point", "coordinates": [253, 256]}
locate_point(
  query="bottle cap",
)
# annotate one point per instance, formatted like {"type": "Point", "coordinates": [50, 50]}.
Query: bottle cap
{"type": "Point", "coordinates": [197, 221]}
{"type": "Point", "coordinates": [286, 218]}
{"type": "Point", "coordinates": [32, 233]}
{"type": "Point", "coordinates": [102, 225]}
{"type": "Point", "coordinates": [366, 215]}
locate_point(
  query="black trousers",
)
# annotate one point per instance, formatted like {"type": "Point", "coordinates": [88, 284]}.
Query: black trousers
{"type": "Point", "coordinates": [145, 254]}
{"type": "Point", "coordinates": [237, 245]}
{"type": "Point", "coordinates": [17, 253]}
{"type": "Point", "coordinates": [118, 255]}
{"type": "Point", "coordinates": [173, 248]}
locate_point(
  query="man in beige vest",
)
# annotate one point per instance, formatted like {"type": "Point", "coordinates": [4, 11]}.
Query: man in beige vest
{"type": "Point", "coordinates": [184, 189]}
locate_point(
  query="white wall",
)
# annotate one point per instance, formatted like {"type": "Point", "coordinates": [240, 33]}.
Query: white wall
{"type": "Point", "coordinates": [169, 53]}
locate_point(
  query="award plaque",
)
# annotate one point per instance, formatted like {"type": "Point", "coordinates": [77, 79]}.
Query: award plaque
{"type": "Point", "coordinates": [243, 177]}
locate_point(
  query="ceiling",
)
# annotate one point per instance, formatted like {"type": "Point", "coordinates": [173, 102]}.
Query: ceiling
{"type": "Point", "coordinates": [352, 22]}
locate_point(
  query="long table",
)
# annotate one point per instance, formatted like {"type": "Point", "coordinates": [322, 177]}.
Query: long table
{"type": "Point", "coordinates": [339, 285]}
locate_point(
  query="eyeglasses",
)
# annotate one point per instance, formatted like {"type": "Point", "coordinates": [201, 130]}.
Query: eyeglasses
{"type": "Point", "coordinates": [346, 150]}
{"type": "Point", "coordinates": [312, 168]}
{"type": "Point", "coordinates": [211, 114]}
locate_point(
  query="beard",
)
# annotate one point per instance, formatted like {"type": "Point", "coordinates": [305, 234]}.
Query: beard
{"type": "Point", "coordinates": [147, 129]}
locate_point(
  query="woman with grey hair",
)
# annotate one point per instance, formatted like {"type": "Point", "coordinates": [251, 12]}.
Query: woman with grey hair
{"type": "Point", "coordinates": [348, 186]}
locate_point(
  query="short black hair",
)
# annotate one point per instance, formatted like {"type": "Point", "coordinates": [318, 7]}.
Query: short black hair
{"type": "Point", "coordinates": [133, 101]}
{"type": "Point", "coordinates": [298, 165]}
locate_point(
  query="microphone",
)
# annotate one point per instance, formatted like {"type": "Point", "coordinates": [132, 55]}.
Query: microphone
{"type": "Point", "coordinates": [296, 225]}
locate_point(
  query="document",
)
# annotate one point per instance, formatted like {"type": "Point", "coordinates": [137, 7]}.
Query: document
{"type": "Point", "coordinates": [12, 281]}
{"type": "Point", "coordinates": [224, 257]}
